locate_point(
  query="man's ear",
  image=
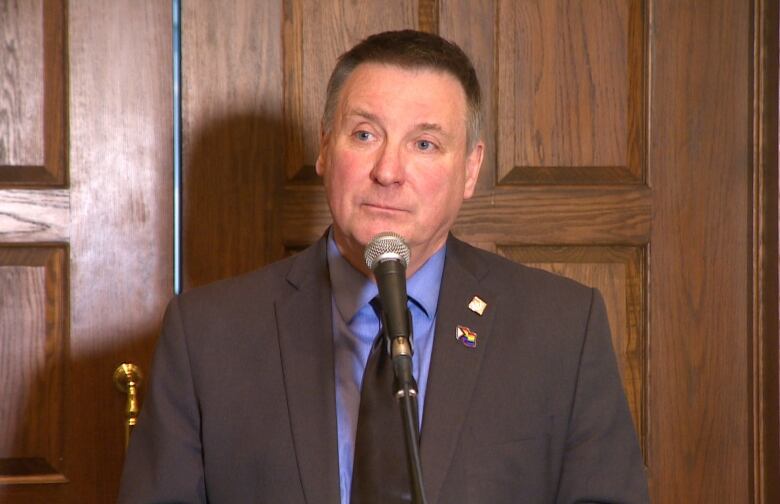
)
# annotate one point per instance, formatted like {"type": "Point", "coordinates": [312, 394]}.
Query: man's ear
{"type": "Point", "coordinates": [473, 165]}
{"type": "Point", "coordinates": [319, 165]}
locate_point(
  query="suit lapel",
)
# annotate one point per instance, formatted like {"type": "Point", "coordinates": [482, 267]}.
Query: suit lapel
{"type": "Point", "coordinates": [454, 366]}
{"type": "Point", "coordinates": [306, 344]}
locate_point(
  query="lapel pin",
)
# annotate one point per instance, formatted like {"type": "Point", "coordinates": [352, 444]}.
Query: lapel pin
{"type": "Point", "coordinates": [466, 336]}
{"type": "Point", "coordinates": [477, 305]}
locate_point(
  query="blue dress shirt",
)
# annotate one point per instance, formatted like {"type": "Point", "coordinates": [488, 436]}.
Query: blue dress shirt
{"type": "Point", "coordinates": [355, 326]}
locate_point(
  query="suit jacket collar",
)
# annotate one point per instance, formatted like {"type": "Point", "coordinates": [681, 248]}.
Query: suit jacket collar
{"type": "Point", "coordinates": [454, 366]}
{"type": "Point", "coordinates": [306, 342]}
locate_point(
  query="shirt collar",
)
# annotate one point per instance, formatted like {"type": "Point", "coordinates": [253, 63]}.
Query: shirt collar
{"type": "Point", "coordinates": [352, 290]}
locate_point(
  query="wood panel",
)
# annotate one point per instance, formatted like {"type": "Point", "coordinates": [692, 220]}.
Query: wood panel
{"type": "Point", "coordinates": [700, 164]}
{"type": "Point", "coordinates": [570, 94]}
{"type": "Point", "coordinates": [232, 136]}
{"type": "Point", "coordinates": [28, 215]}
{"type": "Point", "coordinates": [121, 219]}
{"type": "Point", "coordinates": [21, 134]}
{"type": "Point", "coordinates": [619, 274]}
{"type": "Point", "coordinates": [112, 224]}
{"type": "Point", "coordinates": [765, 341]}
{"type": "Point", "coordinates": [472, 24]}
{"type": "Point", "coordinates": [32, 93]}
{"type": "Point", "coordinates": [33, 338]}
{"type": "Point", "coordinates": [539, 215]}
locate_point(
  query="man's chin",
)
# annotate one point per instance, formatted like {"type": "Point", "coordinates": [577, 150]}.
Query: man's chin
{"type": "Point", "coordinates": [360, 236]}
{"type": "Point", "coordinates": [369, 234]}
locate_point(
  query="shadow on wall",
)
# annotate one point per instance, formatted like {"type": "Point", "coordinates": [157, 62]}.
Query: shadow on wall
{"type": "Point", "coordinates": [233, 170]}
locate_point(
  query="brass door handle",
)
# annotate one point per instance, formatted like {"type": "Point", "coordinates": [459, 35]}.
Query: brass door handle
{"type": "Point", "coordinates": [127, 378]}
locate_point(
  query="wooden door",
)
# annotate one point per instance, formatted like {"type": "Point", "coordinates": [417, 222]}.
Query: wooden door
{"type": "Point", "coordinates": [632, 145]}
{"type": "Point", "coordinates": [85, 234]}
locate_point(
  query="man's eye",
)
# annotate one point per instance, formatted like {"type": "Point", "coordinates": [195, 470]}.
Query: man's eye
{"type": "Point", "coordinates": [363, 136]}
{"type": "Point", "coordinates": [425, 145]}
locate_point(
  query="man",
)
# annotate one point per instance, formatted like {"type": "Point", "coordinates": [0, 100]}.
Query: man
{"type": "Point", "coordinates": [256, 384]}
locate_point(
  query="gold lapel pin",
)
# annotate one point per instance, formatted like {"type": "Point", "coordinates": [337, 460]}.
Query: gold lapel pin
{"type": "Point", "coordinates": [477, 305]}
{"type": "Point", "coordinates": [466, 336]}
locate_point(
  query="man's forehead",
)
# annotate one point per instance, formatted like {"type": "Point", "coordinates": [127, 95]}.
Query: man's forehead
{"type": "Point", "coordinates": [363, 94]}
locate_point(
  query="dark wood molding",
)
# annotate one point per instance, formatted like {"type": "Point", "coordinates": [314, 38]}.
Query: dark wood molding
{"type": "Point", "coordinates": [765, 337]}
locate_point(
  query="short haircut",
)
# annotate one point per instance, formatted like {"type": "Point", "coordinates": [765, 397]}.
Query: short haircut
{"type": "Point", "coordinates": [410, 49]}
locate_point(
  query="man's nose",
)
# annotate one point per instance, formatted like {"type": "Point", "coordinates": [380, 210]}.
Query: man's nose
{"type": "Point", "coordinates": [389, 167]}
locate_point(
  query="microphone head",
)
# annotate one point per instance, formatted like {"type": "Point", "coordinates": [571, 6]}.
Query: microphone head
{"type": "Point", "coordinates": [384, 246]}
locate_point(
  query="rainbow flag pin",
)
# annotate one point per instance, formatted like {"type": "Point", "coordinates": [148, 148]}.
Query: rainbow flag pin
{"type": "Point", "coordinates": [466, 336]}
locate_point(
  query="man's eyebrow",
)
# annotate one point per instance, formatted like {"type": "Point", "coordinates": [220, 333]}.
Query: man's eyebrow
{"type": "Point", "coordinates": [430, 127]}
{"type": "Point", "coordinates": [364, 114]}
{"type": "Point", "coordinates": [434, 127]}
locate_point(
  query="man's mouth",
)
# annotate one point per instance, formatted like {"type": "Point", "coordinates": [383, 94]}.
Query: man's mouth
{"type": "Point", "coordinates": [383, 207]}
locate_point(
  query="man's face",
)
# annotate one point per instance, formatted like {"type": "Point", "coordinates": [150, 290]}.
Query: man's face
{"type": "Point", "coordinates": [396, 159]}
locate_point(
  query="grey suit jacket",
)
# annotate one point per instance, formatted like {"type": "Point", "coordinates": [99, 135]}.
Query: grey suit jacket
{"type": "Point", "coordinates": [241, 404]}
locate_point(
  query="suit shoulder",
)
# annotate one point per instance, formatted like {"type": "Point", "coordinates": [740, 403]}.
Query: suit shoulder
{"type": "Point", "coordinates": [232, 293]}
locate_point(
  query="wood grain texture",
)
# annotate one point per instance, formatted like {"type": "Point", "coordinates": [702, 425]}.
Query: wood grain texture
{"type": "Point", "coordinates": [33, 340]}
{"type": "Point", "coordinates": [766, 337]}
{"type": "Point", "coordinates": [472, 25]}
{"type": "Point", "coordinates": [119, 232]}
{"type": "Point", "coordinates": [619, 274]}
{"type": "Point", "coordinates": [608, 215]}
{"type": "Point", "coordinates": [293, 89]}
{"type": "Point", "coordinates": [699, 425]}
{"type": "Point", "coordinates": [55, 104]}
{"type": "Point", "coordinates": [21, 67]}
{"type": "Point", "coordinates": [28, 215]}
{"type": "Point", "coordinates": [233, 136]}
{"type": "Point", "coordinates": [530, 215]}
{"type": "Point", "coordinates": [32, 93]}
{"type": "Point", "coordinates": [570, 91]}
{"type": "Point", "coordinates": [115, 218]}
{"type": "Point", "coordinates": [428, 15]}
{"type": "Point", "coordinates": [304, 215]}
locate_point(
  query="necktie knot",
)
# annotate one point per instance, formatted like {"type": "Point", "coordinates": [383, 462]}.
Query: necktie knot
{"type": "Point", "coordinates": [376, 304]}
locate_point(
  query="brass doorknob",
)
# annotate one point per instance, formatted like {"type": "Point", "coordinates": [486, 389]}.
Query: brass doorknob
{"type": "Point", "coordinates": [127, 378]}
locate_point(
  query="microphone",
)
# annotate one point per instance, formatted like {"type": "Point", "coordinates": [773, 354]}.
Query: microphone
{"type": "Point", "coordinates": [387, 255]}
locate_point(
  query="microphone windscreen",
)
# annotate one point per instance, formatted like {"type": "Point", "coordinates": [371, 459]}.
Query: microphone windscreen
{"type": "Point", "coordinates": [384, 246]}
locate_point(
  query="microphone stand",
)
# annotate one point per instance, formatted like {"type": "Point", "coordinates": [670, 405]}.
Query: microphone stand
{"type": "Point", "coordinates": [390, 275]}
{"type": "Point", "coordinates": [406, 393]}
